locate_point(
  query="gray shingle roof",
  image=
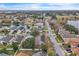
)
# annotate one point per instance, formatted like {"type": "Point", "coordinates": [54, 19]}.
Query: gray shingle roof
{"type": "Point", "coordinates": [6, 39]}
{"type": "Point", "coordinates": [19, 38]}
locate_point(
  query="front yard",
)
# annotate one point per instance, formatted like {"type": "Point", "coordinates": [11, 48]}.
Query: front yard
{"type": "Point", "coordinates": [24, 53]}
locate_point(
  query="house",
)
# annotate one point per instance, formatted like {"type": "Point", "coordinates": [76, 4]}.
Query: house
{"type": "Point", "coordinates": [19, 38]}
{"type": "Point", "coordinates": [5, 39]}
{"type": "Point", "coordinates": [70, 40]}
{"type": "Point", "coordinates": [65, 34]}
{"type": "Point", "coordinates": [74, 43]}
{"type": "Point", "coordinates": [39, 26]}
{"type": "Point", "coordinates": [6, 21]}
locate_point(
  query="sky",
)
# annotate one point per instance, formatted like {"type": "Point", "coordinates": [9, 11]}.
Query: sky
{"type": "Point", "coordinates": [39, 1]}
{"type": "Point", "coordinates": [39, 6]}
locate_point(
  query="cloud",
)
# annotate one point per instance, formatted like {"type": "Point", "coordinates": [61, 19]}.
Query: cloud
{"type": "Point", "coordinates": [39, 6]}
{"type": "Point", "coordinates": [40, 1]}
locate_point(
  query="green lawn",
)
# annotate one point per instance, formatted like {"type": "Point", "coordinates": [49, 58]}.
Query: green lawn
{"type": "Point", "coordinates": [1, 45]}
{"type": "Point", "coordinates": [7, 46]}
{"type": "Point", "coordinates": [4, 47]}
{"type": "Point", "coordinates": [51, 53]}
{"type": "Point", "coordinates": [58, 37]}
{"type": "Point", "coordinates": [59, 40]}
{"type": "Point", "coordinates": [10, 52]}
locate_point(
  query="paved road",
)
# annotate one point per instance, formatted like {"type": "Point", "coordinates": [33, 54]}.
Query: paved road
{"type": "Point", "coordinates": [57, 48]}
{"type": "Point", "coordinates": [23, 49]}
{"type": "Point", "coordinates": [39, 53]}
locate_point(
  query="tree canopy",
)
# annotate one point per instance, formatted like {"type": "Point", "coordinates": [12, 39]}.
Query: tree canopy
{"type": "Point", "coordinates": [71, 28]}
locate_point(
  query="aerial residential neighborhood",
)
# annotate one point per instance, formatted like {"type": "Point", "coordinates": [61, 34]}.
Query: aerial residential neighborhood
{"type": "Point", "coordinates": [39, 32]}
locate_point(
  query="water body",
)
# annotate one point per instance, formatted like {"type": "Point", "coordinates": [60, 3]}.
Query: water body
{"type": "Point", "coordinates": [74, 23]}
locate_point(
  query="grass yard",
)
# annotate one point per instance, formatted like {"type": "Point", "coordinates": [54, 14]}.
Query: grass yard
{"type": "Point", "coordinates": [10, 52]}
{"type": "Point", "coordinates": [59, 39]}
{"type": "Point", "coordinates": [24, 53]}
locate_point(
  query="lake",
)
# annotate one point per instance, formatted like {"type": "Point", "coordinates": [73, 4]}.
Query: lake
{"type": "Point", "coordinates": [74, 23]}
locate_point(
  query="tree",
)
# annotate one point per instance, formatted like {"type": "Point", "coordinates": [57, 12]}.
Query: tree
{"type": "Point", "coordinates": [29, 43]}
{"type": "Point", "coordinates": [16, 23]}
{"type": "Point", "coordinates": [3, 50]}
{"type": "Point", "coordinates": [43, 38]}
{"type": "Point", "coordinates": [44, 47]}
{"type": "Point", "coordinates": [6, 31]}
{"type": "Point", "coordinates": [35, 33]}
{"type": "Point", "coordinates": [4, 43]}
{"type": "Point", "coordinates": [72, 54]}
{"type": "Point", "coordinates": [34, 16]}
{"type": "Point", "coordinates": [15, 46]}
{"type": "Point", "coordinates": [28, 26]}
{"type": "Point", "coordinates": [71, 28]}
{"type": "Point", "coordinates": [59, 38]}
{"type": "Point", "coordinates": [78, 45]}
{"type": "Point", "coordinates": [51, 53]}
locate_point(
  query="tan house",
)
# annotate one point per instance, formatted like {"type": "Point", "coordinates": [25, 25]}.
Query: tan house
{"type": "Point", "coordinates": [74, 43]}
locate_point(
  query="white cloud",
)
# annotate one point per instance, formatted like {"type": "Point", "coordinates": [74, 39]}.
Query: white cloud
{"type": "Point", "coordinates": [39, 1]}
{"type": "Point", "coordinates": [53, 6]}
